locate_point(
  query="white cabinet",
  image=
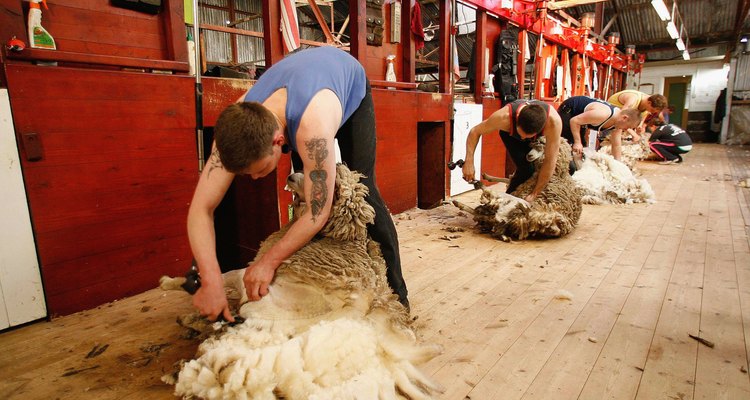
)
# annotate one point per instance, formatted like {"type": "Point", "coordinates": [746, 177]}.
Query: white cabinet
{"type": "Point", "coordinates": [21, 291]}
{"type": "Point", "coordinates": [466, 116]}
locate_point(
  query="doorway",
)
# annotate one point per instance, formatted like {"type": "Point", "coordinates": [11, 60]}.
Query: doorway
{"type": "Point", "coordinates": [430, 164]}
{"type": "Point", "coordinates": [676, 89]}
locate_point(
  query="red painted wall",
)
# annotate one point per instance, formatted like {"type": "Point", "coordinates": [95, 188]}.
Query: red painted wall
{"type": "Point", "coordinates": [109, 197]}
{"type": "Point", "coordinates": [397, 114]}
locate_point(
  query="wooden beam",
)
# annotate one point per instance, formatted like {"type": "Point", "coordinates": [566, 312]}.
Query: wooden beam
{"type": "Point", "coordinates": [479, 55]}
{"type": "Point", "coordinates": [358, 30]}
{"type": "Point", "coordinates": [609, 25]}
{"type": "Point", "coordinates": [272, 28]}
{"type": "Point", "coordinates": [598, 17]}
{"type": "Point", "coordinates": [321, 21]}
{"type": "Point", "coordinates": [570, 3]}
{"type": "Point", "coordinates": [408, 59]}
{"type": "Point", "coordinates": [445, 57]}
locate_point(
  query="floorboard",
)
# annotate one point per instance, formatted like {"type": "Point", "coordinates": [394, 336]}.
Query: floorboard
{"type": "Point", "coordinates": [604, 313]}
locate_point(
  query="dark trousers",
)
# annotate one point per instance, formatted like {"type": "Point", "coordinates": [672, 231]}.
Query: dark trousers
{"type": "Point", "coordinates": [357, 142]}
{"type": "Point", "coordinates": [518, 149]}
{"type": "Point", "coordinates": [566, 113]}
{"type": "Point", "coordinates": [667, 151]}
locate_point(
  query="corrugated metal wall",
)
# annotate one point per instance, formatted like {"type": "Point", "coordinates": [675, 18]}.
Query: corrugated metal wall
{"type": "Point", "coordinates": [742, 77]}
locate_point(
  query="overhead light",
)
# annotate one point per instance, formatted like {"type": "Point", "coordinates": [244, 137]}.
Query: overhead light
{"type": "Point", "coordinates": [614, 38]}
{"type": "Point", "coordinates": [588, 20]}
{"type": "Point", "coordinates": [661, 9]}
{"type": "Point", "coordinates": [506, 4]}
{"type": "Point", "coordinates": [685, 55]}
{"type": "Point", "coordinates": [672, 30]}
{"type": "Point", "coordinates": [680, 45]}
{"type": "Point", "coordinates": [744, 39]}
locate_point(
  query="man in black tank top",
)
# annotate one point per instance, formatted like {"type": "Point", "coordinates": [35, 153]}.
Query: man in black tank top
{"type": "Point", "coordinates": [519, 123]}
{"type": "Point", "coordinates": [582, 113]}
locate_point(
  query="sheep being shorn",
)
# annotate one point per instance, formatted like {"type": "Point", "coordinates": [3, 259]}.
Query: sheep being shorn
{"type": "Point", "coordinates": [330, 327]}
{"type": "Point", "coordinates": [554, 213]}
{"type": "Point", "coordinates": [605, 180]}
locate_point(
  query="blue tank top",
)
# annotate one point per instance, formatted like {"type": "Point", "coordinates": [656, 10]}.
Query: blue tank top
{"type": "Point", "coordinates": [578, 105]}
{"type": "Point", "coordinates": [306, 73]}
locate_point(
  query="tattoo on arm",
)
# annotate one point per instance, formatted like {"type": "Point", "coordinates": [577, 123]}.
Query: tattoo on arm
{"type": "Point", "coordinates": [317, 150]}
{"type": "Point", "coordinates": [214, 162]}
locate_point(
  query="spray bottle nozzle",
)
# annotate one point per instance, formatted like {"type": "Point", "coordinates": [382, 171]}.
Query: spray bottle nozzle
{"type": "Point", "coordinates": [35, 4]}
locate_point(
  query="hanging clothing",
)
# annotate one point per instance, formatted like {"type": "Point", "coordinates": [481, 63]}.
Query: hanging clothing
{"type": "Point", "coordinates": [417, 29]}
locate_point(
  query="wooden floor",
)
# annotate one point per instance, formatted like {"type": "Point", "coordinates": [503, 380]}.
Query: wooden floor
{"type": "Point", "coordinates": [605, 313]}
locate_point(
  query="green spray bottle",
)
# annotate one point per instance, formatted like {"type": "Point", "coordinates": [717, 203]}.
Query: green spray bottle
{"type": "Point", "coordinates": [38, 36]}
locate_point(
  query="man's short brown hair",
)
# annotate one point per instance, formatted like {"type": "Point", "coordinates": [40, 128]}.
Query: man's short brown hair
{"type": "Point", "coordinates": [532, 118]}
{"type": "Point", "coordinates": [244, 134]}
{"type": "Point", "coordinates": [632, 114]}
{"type": "Point", "coordinates": [658, 101]}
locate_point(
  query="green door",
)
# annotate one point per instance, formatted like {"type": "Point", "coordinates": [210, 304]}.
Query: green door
{"type": "Point", "coordinates": [677, 92]}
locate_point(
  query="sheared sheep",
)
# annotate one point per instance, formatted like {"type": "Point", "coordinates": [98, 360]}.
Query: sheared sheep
{"type": "Point", "coordinates": [330, 327]}
{"type": "Point", "coordinates": [554, 213]}
{"type": "Point", "coordinates": [606, 180]}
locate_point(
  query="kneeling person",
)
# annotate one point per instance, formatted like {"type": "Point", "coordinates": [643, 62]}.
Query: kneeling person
{"type": "Point", "coordinates": [668, 142]}
{"type": "Point", "coordinates": [519, 123]}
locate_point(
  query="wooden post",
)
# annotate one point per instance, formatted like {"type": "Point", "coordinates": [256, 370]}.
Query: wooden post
{"type": "Point", "coordinates": [408, 63]}
{"type": "Point", "coordinates": [272, 29]}
{"type": "Point", "coordinates": [444, 69]}
{"type": "Point", "coordinates": [358, 30]}
{"type": "Point", "coordinates": [479, 55]}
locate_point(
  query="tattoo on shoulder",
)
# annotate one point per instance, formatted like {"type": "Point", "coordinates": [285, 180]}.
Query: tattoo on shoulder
{"type": "Point", "coordinates": [318, 151]}
{"type": "Point", "coordinates": [214, 162]}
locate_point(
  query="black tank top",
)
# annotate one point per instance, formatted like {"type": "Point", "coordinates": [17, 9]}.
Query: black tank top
{"type": "Point", "coordinates": [578, 104]}
{"type": "Point", "coordinates": [515, 109]}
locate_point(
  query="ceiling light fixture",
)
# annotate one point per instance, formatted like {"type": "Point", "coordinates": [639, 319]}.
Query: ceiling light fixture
{"type": "Point", "coordinates": [661, 9]}
{"type": "Point", "coordinates": [672, 30]}
{"type": "Point", "coordinates": [685, 55]}
{"type": "Point", "coordinates": [680, 45]}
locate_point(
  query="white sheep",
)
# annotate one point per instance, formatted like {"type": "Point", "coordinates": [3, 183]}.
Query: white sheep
{"type": "Point", "coordinates": [554, 212]}
{"type": "Point", "coordinates": [330, 327]}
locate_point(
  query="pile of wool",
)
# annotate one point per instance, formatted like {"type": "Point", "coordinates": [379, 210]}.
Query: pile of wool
{"type": "Point", "coordinates": [632, 152]}
{"type": "Point", "coordinates": [606, 180]}
{"type": "Point", "coordinates": [330, 327]}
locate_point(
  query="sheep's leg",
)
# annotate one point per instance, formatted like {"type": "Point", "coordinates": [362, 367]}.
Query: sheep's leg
{"type": "Point", "coordinates": [490, 178]}
{"type": "Point", "coordinates": [169, 283]}
{"type": "Point", "coordinates": [464, 207]}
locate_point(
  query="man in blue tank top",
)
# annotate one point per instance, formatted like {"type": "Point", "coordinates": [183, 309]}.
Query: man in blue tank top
{"type": "Point", "coordinates": [583, 112]}
{"type": "Point", "coordinates": [302, 103]}
{"type": "Point", "coordinates": [519, 123]}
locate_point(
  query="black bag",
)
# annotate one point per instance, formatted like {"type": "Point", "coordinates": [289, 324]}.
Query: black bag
{"type": "Point", "coordinates": [506, 65]}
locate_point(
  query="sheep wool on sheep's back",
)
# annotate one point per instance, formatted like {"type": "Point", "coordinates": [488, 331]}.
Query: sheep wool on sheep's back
{"type": "Point", "coordinates": [554, 213]}
{"type": "Point", "coordinates": [330, 327]}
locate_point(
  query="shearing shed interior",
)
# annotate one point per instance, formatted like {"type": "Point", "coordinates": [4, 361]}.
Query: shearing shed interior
{"type": "Point", "coordinates": [375, 199]}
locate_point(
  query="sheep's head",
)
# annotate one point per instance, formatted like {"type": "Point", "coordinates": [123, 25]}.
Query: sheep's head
{"type": "Point", "coordinates": [536, 155]}
{"type": "Point", "coordinates": [350, 212]}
